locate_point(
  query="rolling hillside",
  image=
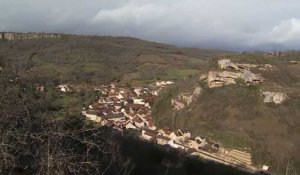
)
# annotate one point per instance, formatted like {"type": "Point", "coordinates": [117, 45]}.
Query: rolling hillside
{"type": "Point", "coordinates": [233, 115]}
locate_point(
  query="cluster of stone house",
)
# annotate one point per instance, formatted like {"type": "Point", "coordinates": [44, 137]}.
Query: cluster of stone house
{"type": "Point", "coordinates": [22, 36]}
{"type": "Point", "coordinates": [124, 108]}
{"type": "Point", "coordinates": [130, 108]}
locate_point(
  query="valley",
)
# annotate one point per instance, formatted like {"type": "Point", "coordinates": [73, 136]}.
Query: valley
{"type": "Point", "coordinates": [246, 103]}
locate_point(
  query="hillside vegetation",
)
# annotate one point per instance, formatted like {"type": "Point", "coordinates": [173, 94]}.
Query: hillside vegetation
{"type": "Point", "coordinates": [99, 60]}
{"type": "Point", "coordinates": [43, 132]}
{"type": "Point", "coordinates": [233, 115]}
{"type": "Point", "coordinates": [237, 117]}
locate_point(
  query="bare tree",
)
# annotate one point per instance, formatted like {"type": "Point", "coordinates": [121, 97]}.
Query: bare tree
{"type": "Point", "coordinates": [31, 142]}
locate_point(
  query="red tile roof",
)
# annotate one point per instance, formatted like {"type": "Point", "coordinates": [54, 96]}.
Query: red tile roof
{"type": "Point", "coordinates": [150, 134]}
{"type": "Point", "coordinates": [137, 120]}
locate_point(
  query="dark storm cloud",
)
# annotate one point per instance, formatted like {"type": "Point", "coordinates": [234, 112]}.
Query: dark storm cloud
{"type": "Point", "coordinates": [222, 24]}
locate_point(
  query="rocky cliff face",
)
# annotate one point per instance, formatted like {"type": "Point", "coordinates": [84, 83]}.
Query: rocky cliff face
{"type": "Point", "coordinates": [185, 99]}
{"type": "Point", "coordinates": [227, 64]}
{"type": "Point", "coordinates": [274, 97]}
{"type": "Point", "coordinates": [241, 71]}
{"type": "Point", "coordinates": [218, 79]}
{"type": "Point", "coordinates": [23, 36]}
{"type": "Point", "coordinates": [235, 71]}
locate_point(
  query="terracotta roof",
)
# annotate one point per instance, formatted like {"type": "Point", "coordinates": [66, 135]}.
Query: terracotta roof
{"type": "Point", "coordinates": [136, 107]}
{"type": "Point", "coordinates": [142, 110]}
{"type": "Point", "coordinates": [137, 120]}
{"type": "Point", "coordinates": [149, 130]}
{"type": "Point", "coordinates": [191, 150]}
{"type": "Point", "coordinates": [150, 134]}
{"type": "Point", "coordinates": [115, 116]}
{"type": "Point", "coordinates": [148, 118]}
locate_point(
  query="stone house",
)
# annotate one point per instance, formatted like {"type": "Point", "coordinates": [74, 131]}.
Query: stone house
{"type": "Point", "coordinates": [90, 114]}
{"type": "Point", "coordinates": [174, 144]}
{"type": "Point", "coordinates": [173, 136]}
{"type": "Point", "coordinates": [148, 135]}
{"type": "Point", "coordinates": [192, 144]}
{"type": "Point", "coordinates": [129, 125]}
{"type": "Point", "coordinates": [138, 122]}
{"type": "Point", "coordinates": [201, 142]}
{"type": "Point", "coordinates": [162, 140]}
{"type": "Point", "coordinates": [151, 126]}
{"type": "Point", "coordinates": [139, 101]}
{"type": "Point", "coordinates": [116, 118]}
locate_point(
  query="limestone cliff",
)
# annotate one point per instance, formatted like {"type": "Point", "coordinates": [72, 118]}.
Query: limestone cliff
{"type": "Point", "coordinates": [23, 36]}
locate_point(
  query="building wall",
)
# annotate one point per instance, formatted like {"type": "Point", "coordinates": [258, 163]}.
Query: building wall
{"type": "Point", "coordinates": [161, 141]}
{"type": "Point", "coordinates": [146, 136]}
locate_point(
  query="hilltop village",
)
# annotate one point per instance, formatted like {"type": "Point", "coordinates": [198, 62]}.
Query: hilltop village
{"type": "Point", "coordinates": [124, 108]}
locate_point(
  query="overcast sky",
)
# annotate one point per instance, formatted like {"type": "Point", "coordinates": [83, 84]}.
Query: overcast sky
{"type": "Point", "coordinates": [220, 24]}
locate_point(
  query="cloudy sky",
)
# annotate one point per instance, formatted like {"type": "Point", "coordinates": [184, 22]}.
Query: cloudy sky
{"type": "Point", "coordinates": [220, 24]}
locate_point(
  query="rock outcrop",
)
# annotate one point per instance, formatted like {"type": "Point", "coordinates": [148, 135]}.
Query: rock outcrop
{"type": "Point", "coordinates": [218, 79]}
{"type": "Point", "coordinates": [274, 97]}
{"type": "Point", "coordinates": [294, 62]}
{"type": "Point", "coordinates": [64, 88]}
{"type": "Point", "coordinates": [251, 78]}
{"type": "Point", "coordinates": [227, 64]}
{"type": "Point", "coordinates": [177, 105]}
{"type": "Point", "coordinates": [197, 91]}
{"type": "Point", "coordinates": [185, 99]}
{"type": "Point", "coordinates": [23, 36]}
{"type": "Point", "coordinates": [241, 71]}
